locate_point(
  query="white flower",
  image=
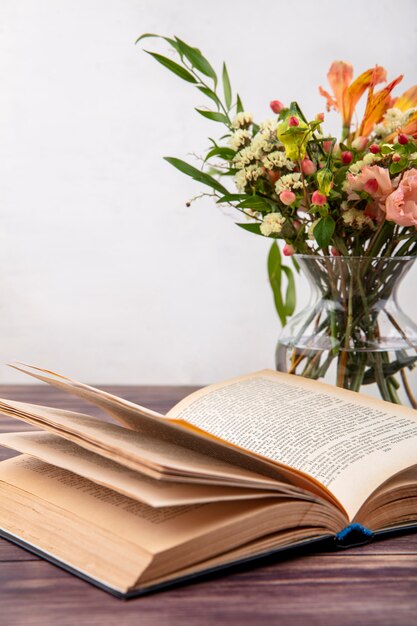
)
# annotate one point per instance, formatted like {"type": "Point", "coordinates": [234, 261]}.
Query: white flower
{"type": "Point", "coordinates": [261, 144]}
{"type": "Point", "coordinates": [252, 172]}
{"type": "Point", "coordinates": [251, 213]}
{"type": "Point", "coordinates": [356, 219]}
{"type": "Point", "coordinates": [244, 157]}
{"type": "Point", "coordinates": [247, 175]}
{"type": "Point", "coordinates": [269, 127]}
{"type": "Point", "coordinates": [355, 168]}
{"type": "Point", "coordinates": [239, 139]}
{"type": "Point", "coordinates": [242, 119]}
{"type": "Point", "coordinates": [240, 181]}
{"type": "Point", "coordinates": [272, 224]}
{"type": "Point", "coordinates": [310, 232]}
{"type": "Point", "coordinates": [394, 119]}
{"type": "Point", "coordinates": [289, 181]}
{"type": "Point", "coordinates": [370, 158]}
{"type": "Point", "coordinates": [266, 138]}
{"type": "Point", "coordinates": [277, 159]}
{"type": "Point", "coordinates": [393, 115]}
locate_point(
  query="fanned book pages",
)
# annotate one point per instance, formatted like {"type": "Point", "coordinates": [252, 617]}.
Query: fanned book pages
{"type": "Point", "coordinates": [235, 471]}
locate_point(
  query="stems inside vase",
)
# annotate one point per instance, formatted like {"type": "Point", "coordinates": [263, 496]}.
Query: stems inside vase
{"type": "Point", "coordinates": [354, 327]}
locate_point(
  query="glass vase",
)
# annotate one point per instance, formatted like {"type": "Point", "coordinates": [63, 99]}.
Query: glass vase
{"type": "Point", "coordinates": [353, 333]}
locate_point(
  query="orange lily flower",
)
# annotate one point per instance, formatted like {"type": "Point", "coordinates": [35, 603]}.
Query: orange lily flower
{"type": "Point", "coordinates": [407, 101]}
{"type": "Point", "coordinates": [376, 106]}
{"type": "Point", "coordinates": [409, 129]}
{"type": "Point", "coordinates": [346, 93]}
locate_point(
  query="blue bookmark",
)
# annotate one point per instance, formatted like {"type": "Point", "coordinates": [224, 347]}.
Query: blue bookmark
{"type": "Point", "coordinates": [353, 535]}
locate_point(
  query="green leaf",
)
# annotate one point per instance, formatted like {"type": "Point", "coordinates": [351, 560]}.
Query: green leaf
{"type": "Point", "coordinates": [209, 93]}
{"type": "Point", "coordinates": [323, 231]}
{"type": "Point", "coordinates": [405, 149]}
{"type": "Point", "coordinates": [290, 294]}
{"type": "Point", "coordinates": [214, 115]}
{"type": "Point", "coordinates": [196, 59]}
{"type": "Point", "coordinates": [257, 203]}
{"type": "Point", "coordinates": [386, 149]}
{"type": "Point", "coordinates": [145, 35]}
{"type": "Point", "coordinates": [398, 166]}
{"type": "Point", "coordinates": [171, 42]}
{"type": "Point", "coordinates": [341, 175]}
{"type": "Point", "coordinates": [226, 87]}
{"type": "Point", "coordinates": [314, 125]}
{"type": "Point", "coordinates": [232, 197]}
{"type": "Point", "coordinates": [196, 174]}
{"type": "Point", "coordinates": [230, 172]}
{"type": "Point", "coordinates": [223, 152]}
{"type": "Point", "coordinates": [296, 110]}
{"type": "Point", "coordinates": [174, 67]}
{"type": "Point", "coordinates": [251, 227]}
{"type": "Point", "coordinates": [275, 280]}
{"type": "Point", "coordinates": [389, 369]}
{"type": "Point", "coordinates": [239, 105]}
{"type": "Point", "coordinates": [296, 264]}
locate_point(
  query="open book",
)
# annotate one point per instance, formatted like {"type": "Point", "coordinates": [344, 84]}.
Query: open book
{"type": "Point", "coordinates": [236, 470]}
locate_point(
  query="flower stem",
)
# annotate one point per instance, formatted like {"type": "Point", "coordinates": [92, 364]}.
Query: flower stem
{"type": "Point", "coordinates": [407, 388]}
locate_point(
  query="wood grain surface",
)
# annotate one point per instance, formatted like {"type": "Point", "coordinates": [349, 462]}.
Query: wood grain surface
{"type": "Point", "coordinates": [373, 584]}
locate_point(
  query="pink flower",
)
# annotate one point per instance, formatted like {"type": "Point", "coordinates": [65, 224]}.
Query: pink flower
{"type": "Point", "coordinates": [319, 117]}
{"type": "Point", "coordinates": [373, 179]}
{"type": "Point", "coordinates": [371, 186]}
{"type": "Point", "coordinates": [347, 157]}
{"type": "Point", "coordinates": [374, 148]}
{"type": "Point", "coordinates": [401, 204]}
{"type": "Point", "coordinates": [374, 212]}
{"type": "Point", "coordinates": [327, 145]}
{"type": "Point", "coordinates": [273, 176]}
{"type": "Point", "coordinates": [308, 167]}
{"type": "Point", "coordinates": [276, 106]}
{"type": "Point", "coordinates": [319, 199]}
{"type": "Point", "coordinates": [359, 143]}
{"type": "Point", "coordinates": [402, 139]}
{"type": "Point", "coordinates": [287, 197]}
{"type": "Point", "coordinates": [288, 250]}
{"type": "Point", "coordinates": [293, 121]}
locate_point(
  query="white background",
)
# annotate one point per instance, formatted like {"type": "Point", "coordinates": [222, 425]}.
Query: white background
{"type": "Point", "coordinates": [105, 274]}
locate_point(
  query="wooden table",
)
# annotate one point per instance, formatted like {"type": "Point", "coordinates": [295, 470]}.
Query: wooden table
{"type": "Point", "coordinates": [374, 584]}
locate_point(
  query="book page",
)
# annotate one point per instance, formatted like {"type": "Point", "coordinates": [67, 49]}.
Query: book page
{"type": "Point", "coordinates": [151, 423]}
{"type": "Point", "coordinates": [174, 536]}
{"type": "Point", "coordinates": [349, 442]}
{"type": "Point", "coordinates": [72, 541]}
{"type": "Point", "coordinates": [127, 413]}
{"type": "Point", "coordinates": [62, 453]}
{"type": "Point", "coordinates": [153, 529]}
{"type": "Point", "coordinates": [138, 451]}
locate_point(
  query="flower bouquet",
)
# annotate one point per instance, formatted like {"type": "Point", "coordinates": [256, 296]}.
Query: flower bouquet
{"type": "Point", "coordinates": [345, 207]}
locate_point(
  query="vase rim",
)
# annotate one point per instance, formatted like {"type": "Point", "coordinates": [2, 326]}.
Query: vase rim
{"type": "Point", "coordinates": [362, 258]}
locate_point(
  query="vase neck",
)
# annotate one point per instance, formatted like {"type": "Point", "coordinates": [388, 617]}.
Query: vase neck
{"type": "Point", "coordinates": [342, 278]}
